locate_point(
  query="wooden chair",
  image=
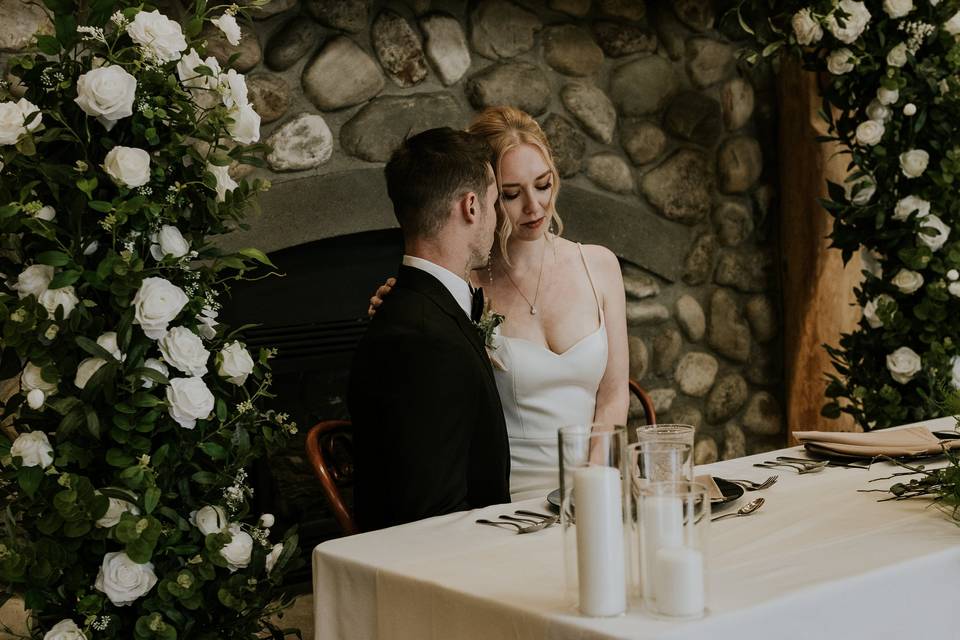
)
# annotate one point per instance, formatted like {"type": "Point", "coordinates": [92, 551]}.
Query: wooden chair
{"type": "Point", "coordinates": [645, 401]}
{"type": "Point", "coordinates": [329, 450]}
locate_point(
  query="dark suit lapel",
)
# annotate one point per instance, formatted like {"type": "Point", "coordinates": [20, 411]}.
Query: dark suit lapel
{"type": "Point", "coordinates": [426, 284]}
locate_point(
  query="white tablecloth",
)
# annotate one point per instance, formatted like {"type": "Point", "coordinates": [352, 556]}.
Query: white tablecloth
{"type": "Point", "coordinates": [819, 560]}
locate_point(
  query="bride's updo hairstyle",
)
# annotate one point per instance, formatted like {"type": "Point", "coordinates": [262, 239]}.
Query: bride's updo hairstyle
{"type": "Point", "coordinates": [505, 128]}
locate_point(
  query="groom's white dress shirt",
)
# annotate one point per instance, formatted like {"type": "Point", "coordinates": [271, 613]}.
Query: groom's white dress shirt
{"type": "Point", "coordinates": [456, 285]}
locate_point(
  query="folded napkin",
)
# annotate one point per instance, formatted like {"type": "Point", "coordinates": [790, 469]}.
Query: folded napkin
{"type": "Point", "coordinates": [712, 489]}
{"type": "Point", "coordinates": [911, 441]}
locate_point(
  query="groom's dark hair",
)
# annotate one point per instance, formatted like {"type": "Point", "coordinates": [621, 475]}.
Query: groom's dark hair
{"type": "Point", "coordinates": [431, 169]}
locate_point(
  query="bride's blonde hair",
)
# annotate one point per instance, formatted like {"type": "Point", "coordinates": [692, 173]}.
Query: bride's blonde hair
{"type": "Point", "coordinates": [505, 128]}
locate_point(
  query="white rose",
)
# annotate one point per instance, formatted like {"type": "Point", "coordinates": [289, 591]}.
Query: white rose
{"type": "Point", "coordinates": [47, 213]}
{"type": "Point", "coordinates": [237, 552]}
{"type": "Point", "coordinates": [34, 280]}
{"type": "Point", "coordinates": [897, 8]}
{"type": "Point", "coordinates": [233, 89]}
{"type": "Point", "coordinates": [34, 449]}
{"type": "Point", "coordinates": [907, 281]}
{"type": "Point", "coordinates": [108, 340]}
{"type": "Point", "coordinates": [955, 372]}
{"type": "Point", "coordinates": [156, 304]}
{"type": "Point", "coordinates": [190, 400]}
{"type": "Point", "coordinates": [128, 166]}
{"type": "Point", "coordinates": [209, 519]}
{"type": "Point", "coordinates": [13, 117]}
{"type": "Point", "coordinates": [245, 127]}
{"type": "Point", "coordinates": [117, 508]}
{"type": "Point", "coordinates": [31, 379]}
{"type": "Point", "coordinates": [273, 556]}
{"type": "Point", "coordinates": [840, 61]}
{"type": "Point", "coordinates": [909, 109]}
{"type": "Point", "coordinates": [870, 132]}
{"type": "Point", "coordinates": [107, 94]}
{"type": "Point", "coordinates": [224, 182]}
{"type": "Point", "coordinates": [169, 242]}
{"type": "Point", "coordinates": [62, 297]}
{"type": "Point", "coordinates": [936, 240]}
{"type": "Point", "coordinates": [123, 580]}
{"type": "Point", "coordinates": [267, 520]}
{"type": "Point", "coordinates": [870, 310]}
{"type": "Point", "coordinates": [860, 193]}
{"type": "Point", "coordinates": [877, 111]}
{"type": "Point", "coordinates": [156, 365]}
{"type": "Point", "coordinates": [183, 349]}
{"type": "Point", "coordinates": [805, 28]}
{"type": "Point", "coordinates": [904, 363]}
{"type": "Point", "coordinates": [228, 25]}
{"type": "Point", "coordinates": [906, 206]}
{"type": "Point", "coordinates": [208, 323]}
{"type": "Point", "coordinates": [888, 96]}
{"type": "Point", "coordinates": [853, 24]}
{"type": "Point", "coordinates": [91, 248]}
{"type": "Point", "coordinates": [35, 399]}
{"type": "Point", "coordinates": [203, 88]}
{"type": "Point", "coordinates": [952, 26]}
{"type": "Point", "coordinates": [235, 363]}
{"type": "Point", "coordinates": [161, 38]}
{"type": "Point", "coordinates": [914, 162]}
{"type": "Point", "coordinates": [86, 369]}
{"type": "Point", "coordinates": [65, 630]}
{"type": "Point", "coordinates": [897, 57]}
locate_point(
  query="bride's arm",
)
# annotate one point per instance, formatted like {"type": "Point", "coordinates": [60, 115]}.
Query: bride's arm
{"type": "Point", "coordinates": [613, 395]}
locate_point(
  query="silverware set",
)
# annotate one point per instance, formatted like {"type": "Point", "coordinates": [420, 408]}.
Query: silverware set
{"type": "Point", "coordinates": [745, 510]}
{"type": "Point", "coordinates": [800, 465]}
{"type": "Point", "coordinates": [533, 521]}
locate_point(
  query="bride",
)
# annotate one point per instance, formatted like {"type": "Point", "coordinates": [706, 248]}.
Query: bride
{"type": "Point", "coordinates": [560, 356]}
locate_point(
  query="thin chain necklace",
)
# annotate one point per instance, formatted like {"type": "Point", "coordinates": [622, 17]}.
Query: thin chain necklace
{"type": "Point", "coordinates": [532, 305]}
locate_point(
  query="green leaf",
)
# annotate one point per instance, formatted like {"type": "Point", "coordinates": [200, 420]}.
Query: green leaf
{"type": "Point", "coordinates": [29, 479]}
{"type": "Point", "coordinates": [53, 258]}
{"type": "Point", "coordinates": [117, 458]}
{"type": "Point", "coordinates": [257, 255]}
{"type": "Point", "coordinates": [65, 279]}
{"type": "Point", "coordinates": [100, 205]}
{"type": "Point", "coordinates": [144, 399]}
{"type": "Point", "coordinates": [87, 185]}
{"type": "Point", "coordinates": [151, 498]}
{"type": "Point", "coordinates": [214, 450]}
{"type": "Point", "coordinates": [93, 422]}
{"type": "Point", "coordinates": [205, 477]}
{"type": "Point", "coordinates": [94, 349]}
{"type": "Point", "coordinates": [48, 45]}
{"type": "Point", "coordinates": [221, 407]}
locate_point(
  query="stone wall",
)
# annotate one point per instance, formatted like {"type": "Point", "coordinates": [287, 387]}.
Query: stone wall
{"type": "Point", "coordinates": [652, 123]}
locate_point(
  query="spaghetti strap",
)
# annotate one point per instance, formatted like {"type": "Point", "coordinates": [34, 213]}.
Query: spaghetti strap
{"type": "Point", "coordinates": [590, 278]}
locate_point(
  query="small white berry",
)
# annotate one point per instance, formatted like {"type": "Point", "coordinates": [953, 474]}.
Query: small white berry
{"type": "Point", "coordinates": [953, 274]}
{"type": "Point", "coordinates": [35, 398]}
{"type": "Point", "coordinates": [909, 109]}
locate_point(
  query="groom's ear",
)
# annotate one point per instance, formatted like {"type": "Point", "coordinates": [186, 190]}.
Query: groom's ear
{"type": "Point", "coordinates": [468, 207]}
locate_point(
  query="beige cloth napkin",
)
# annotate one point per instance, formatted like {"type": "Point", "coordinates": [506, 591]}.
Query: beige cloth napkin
{"type": "Point", "coordinates": [712, 489]}
{"type": "Point", "coordinates": [889, 442]}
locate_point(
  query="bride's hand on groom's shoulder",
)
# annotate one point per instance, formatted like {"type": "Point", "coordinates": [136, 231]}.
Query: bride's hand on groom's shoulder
{"type": "Point", "coordinates": [382, 292]}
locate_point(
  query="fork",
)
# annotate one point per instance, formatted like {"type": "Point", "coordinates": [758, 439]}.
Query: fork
{"type": "Point", "coordinates": [530, 528]}
{"type": "Point", "coordinates": [750, 485]}
{"type": "Point", "coordinates": [801, 467]}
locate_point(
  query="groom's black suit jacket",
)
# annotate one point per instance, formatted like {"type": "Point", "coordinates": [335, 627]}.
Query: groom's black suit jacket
{"type": "Point", "coordinates": [429, 434]}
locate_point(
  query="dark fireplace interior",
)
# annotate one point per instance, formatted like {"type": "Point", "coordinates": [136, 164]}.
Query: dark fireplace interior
{"type": "Point", "coordinates": [314, 315]}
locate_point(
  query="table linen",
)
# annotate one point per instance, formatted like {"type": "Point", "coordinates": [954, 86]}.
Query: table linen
{"type": "Point", "coordinates": [819, 560]}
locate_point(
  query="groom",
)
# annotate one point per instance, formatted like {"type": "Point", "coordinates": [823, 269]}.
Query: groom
{"type": "Point", "coordinates": [429, 433]}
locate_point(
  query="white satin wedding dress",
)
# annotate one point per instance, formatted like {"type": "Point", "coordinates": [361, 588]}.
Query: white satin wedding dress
{"type": "Point", "coordinates": [542, 391]}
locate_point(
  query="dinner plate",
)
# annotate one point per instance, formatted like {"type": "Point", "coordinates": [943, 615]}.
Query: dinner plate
{"type": "Point", "coordinates": [729, 490]}
{"type": "Point", "coordinates": [822, 453]}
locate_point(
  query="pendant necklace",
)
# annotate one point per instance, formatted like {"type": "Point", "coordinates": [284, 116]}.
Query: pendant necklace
{"type": "Point", "coordinates": [532, 305]}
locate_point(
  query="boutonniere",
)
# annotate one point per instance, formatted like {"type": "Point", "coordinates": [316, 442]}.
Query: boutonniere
{"type": "Point", "coordinates": [489, 321]}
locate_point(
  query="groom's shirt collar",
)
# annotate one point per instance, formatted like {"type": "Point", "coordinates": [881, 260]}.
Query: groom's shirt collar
{"type": "Point", "coordinates": [456, 285]}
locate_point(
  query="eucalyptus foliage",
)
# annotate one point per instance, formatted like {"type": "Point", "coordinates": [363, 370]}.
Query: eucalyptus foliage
{"type": "Point", "coordinates": [125, 502]}
{"type": "Point", "coordinates": [888, 71]}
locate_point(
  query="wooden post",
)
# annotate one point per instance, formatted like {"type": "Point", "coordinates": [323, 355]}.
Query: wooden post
{"type": "Point", "coordinates": [818, 291]}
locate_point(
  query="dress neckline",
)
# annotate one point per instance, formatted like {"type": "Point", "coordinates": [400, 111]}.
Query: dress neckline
{"type": "Point", "coordinates": [567, 350]}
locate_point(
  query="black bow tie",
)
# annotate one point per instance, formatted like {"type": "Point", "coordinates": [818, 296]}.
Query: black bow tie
{"type": "Point", "coordinates": [476, 305]}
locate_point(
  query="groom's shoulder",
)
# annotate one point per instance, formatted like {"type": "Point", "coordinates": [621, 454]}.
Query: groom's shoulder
{"type": "Point", "coordinates": [408, 312]}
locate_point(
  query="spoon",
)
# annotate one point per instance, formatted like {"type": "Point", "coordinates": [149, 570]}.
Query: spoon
{"type": "Point", "coordinates": [745, 510]}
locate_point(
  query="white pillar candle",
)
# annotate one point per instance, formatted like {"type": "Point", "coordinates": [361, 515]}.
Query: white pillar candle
{"type": "Point", "coordinates": [678, 582]}
{"type": "Point", "coordinates": [662, 523]}
{"type": "Point", "coordinates": [600, 555]}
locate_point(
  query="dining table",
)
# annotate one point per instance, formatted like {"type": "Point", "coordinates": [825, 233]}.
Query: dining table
{"type": "Point", "coordinates": [825, 557]}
